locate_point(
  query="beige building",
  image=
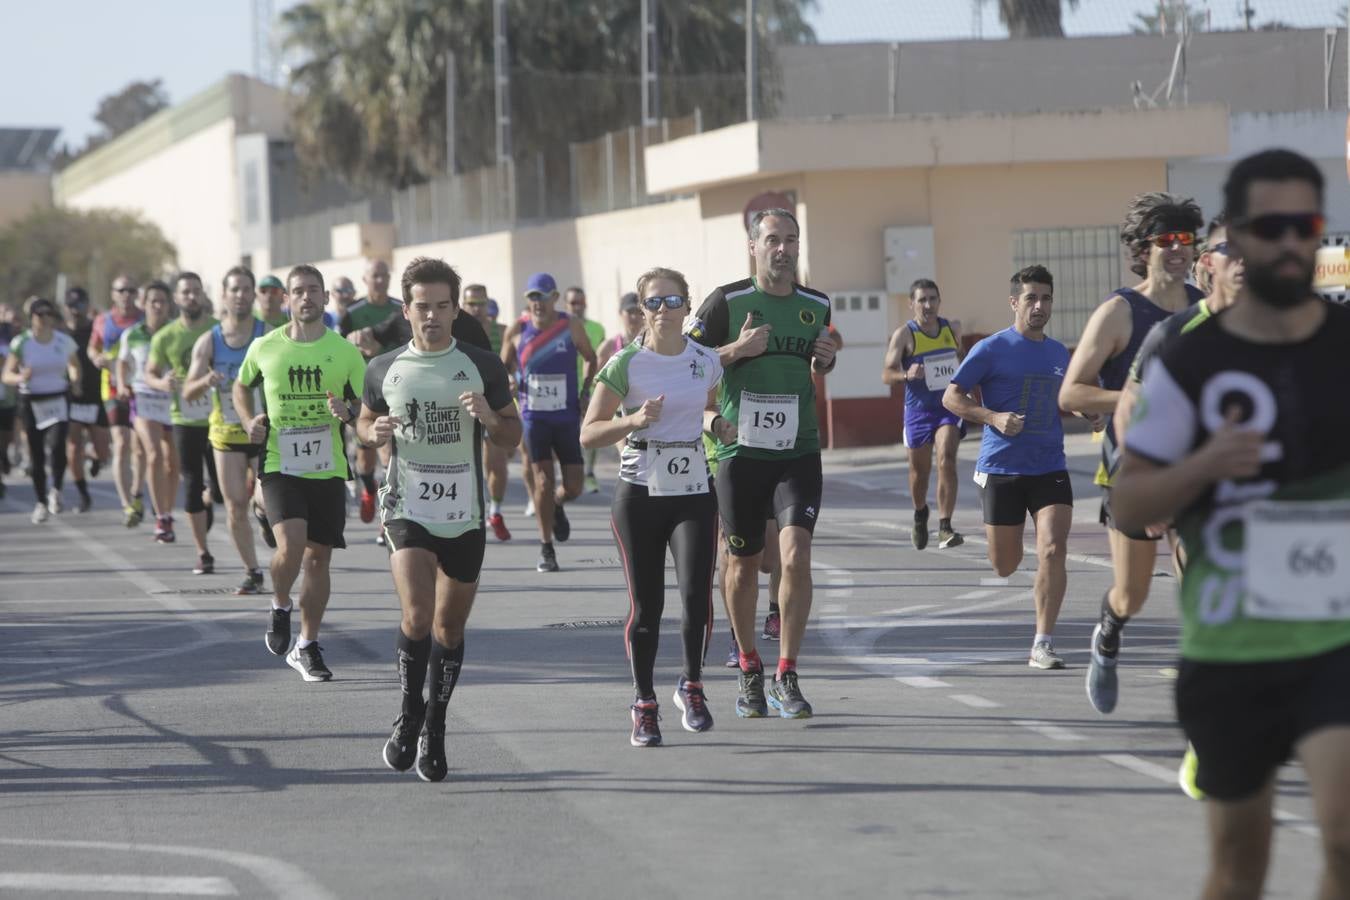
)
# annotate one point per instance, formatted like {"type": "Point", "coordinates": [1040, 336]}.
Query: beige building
{"type": "Point", "coordinates": [25, 171]}
{"type": "Point", "coordinates": [179, 169]}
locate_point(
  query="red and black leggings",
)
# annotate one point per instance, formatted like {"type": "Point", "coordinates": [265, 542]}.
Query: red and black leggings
{"type": "Point", "coordinates": [644, 527]}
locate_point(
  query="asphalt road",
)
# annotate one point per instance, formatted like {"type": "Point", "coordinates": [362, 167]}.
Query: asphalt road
{"type": "Point", "coordinates": [151, 746]}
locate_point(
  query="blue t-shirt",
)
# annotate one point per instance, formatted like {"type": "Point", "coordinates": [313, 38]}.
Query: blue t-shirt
{"type": "Point", "coordinates": [1023, 376]}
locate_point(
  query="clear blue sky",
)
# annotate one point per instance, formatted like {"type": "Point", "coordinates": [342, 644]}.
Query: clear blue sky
{"type": "Point", "coordinates": [62, 56]}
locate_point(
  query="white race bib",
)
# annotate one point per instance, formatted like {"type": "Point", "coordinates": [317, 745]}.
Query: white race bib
{"type": "Point", "coordinates": [49, 412]}
{"type": "Point", "coordinates": [1297, 560]}
{"type": "Point", "coordinates": [767, 421]}
{"type": "Point", "coordinates": [547, 393]}
{"type": "Point", "coordinates": [85, 413]}
{"type": "Point", "coordinates": [154, 406]}
{"type": "Point", "coordinates": [228, 413]}
{"type": "Point", "coordinates": [439, 494]}
{"type": "Point", "coordinates": [938, 370]}
{"type": "Point", "coordinates": [194, 410]}
{"type": "Point", "coordinates": [981, 478]}
{"type": "Point", "coordinates": [305, 451]}
{"type": "Point", "coordinates": [676, 469]}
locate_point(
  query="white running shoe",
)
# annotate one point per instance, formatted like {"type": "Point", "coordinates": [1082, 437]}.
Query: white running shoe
{"type": "Point", "coordinates": [39, 514]}
{"type": "Point", "coordinates": [54, 503]}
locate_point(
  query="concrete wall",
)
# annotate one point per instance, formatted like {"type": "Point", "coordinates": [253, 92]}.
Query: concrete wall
{"type": "Point", "coordinates": [189, 190]}
{"type": "Point", "coordinates": [21, 193]}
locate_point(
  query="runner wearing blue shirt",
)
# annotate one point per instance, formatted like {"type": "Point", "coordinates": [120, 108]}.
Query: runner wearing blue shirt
{"type": "Point", "coordinates": [1021, 468]}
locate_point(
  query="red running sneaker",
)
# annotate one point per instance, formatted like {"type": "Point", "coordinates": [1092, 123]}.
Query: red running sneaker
{"type": "Point", "coordinates": [499, 527]}
{"type": "Point", "coordinates": [367, 506]}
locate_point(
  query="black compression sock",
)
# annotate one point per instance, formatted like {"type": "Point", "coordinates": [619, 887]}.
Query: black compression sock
{"type": "Point", "coordinates": [1111, 624]}
{"type": "Point", "coordinates": [944, 524]}
{"type": "Point", "coordinates": [921, 515]}
{"type": "Point", "coordinates": [412, 659]}
{"type": "Point", "coordinates": [445, 666]}
{"type": "Point", "coordinates": [83, 487]}
{"type": "Point", "coordinates": [367, 480]}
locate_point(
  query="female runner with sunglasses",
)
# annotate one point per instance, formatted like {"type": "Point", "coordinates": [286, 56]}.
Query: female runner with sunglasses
{"type": "Point", "coordinates": [43, 363]}
{"type": "Point", "coordinates": [663, 382]}
{"type": "Point", "coordinates": [1159, 230]}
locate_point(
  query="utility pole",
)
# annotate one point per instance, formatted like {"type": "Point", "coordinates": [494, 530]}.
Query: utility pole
{"type": "Point", "coordinates": [501, 80]}
{"type": "Point", "coordinates": [651, 66]}
{"type": "Point", "coordinates": [1247, 14]}
{"type": "Point", "coordinates": [751, 59]}
{"type": "Point", "coordinates": [450, 164]}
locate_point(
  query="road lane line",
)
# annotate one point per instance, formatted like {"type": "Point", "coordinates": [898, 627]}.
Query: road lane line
{"type": "Point", "coordinates": [177, 885]}
{"type": "Point", "coordinates": [976, 701]}
{"type": "Point", "coordinates": [1047, 730]}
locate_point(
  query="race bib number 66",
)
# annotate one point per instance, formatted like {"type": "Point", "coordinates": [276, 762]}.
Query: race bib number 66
{"type": "Point", "coordinates": [1297, 560]}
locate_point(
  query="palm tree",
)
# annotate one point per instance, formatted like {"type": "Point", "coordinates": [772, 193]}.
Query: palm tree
{"type": "Point", "coordinates": [1167, 19]}
{"type": "Point", "coordinates": [1033, 18]}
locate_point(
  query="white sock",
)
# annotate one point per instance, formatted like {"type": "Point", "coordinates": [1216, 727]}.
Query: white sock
{"type": "Point", "coordinates": [288, 607]}
{"type": "Point", "coordinates": [494, 507]}
{"type": "Point", "coordinates": [302, 643]}
{"type": "Point", "coordinates": [1043, 639]}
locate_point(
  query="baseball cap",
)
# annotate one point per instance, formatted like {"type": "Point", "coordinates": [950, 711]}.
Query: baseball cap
{"type": "Point", "coordinates": [271, 281]}
{"type": "Point", "coordinates": [77, 296]}
{"type": "Point", "coordinates": [629, 301]}
{"type": "Point", "coordinates": [540, 282]}
{"type": "Point", "coordinates": [492, 309]}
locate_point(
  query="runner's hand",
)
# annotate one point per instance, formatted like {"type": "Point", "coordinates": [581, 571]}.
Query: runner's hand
{"type": "Point", "coordinates": [339, 408]}
{"type": "Point", "coordinates": [175, 383]}
{"type": "Point", "coordinates": [216, 378]}
{"type": "Point", "coordinates": [649, 412]}
{"type": "Point", "coordinates": [824, 349]}
{"type": "Point", "coordinates": [914, 372]}
{"type": "Point", "coordinates": [1098, 421]}
{"type": "Point", "coordinates": [753, 341]}
{"type": "Point", "coordinates": [1233, 451]}
{"type": "Point", "coordinates": [476, 405]}
{"type": "Point", "coordinates": [727, 431]}
{"type": "Point", "coordinates": [257, 428]}
{"type": "Point", "coordinates": [26, 373]}
{"type": "Point", "coordinates": [383, 429]}
{"type": "Point", "coordinates": [1009, 424]}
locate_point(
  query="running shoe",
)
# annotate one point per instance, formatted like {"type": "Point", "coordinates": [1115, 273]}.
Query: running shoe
{"type": "Point", "coordinates": [498, 525]}
{"type": "Point", "coordinates": [431, 765]}
{"type": "Point", "coordinates": [54, 503]}
{"type": "Point", "coordinates": [252, 583]}
{"type": "Point", "coordinates": [278, 637]}
{"type": "Point", "coordinates": [95, 467]}
{"type": "Point", "coordinates": [918, 532]}
{"type": "Point", "coordinates": [786, 697]}
{"type": "Point", "coordinates": [308, 662]}
{"type": "Point", "coordinates": [257, 576]}
{"type": "Point", "coordinates": [750, 702]}
{"type": "Point", "coordinates": [367, 505]}
{"type": "Point", "coordinates": [562, 529]}
{"type": "Point", "coordinates": [733, 655]}
{"type": "Point", "coordinates": [263, 528]}
{"type": "Point", "coordinates": [1103, 685]}
{"type": "Point", "coordinates": [693, 704]}
{"type": "Point", "coordinates": [138, 504]}
{"type": "Point", "coordinates": [548, 559]}
{"type": "Point", "coordinates": [2, 490]}
{"type": "Point", "coordinates": [529, 507]}
{"type": "Point", "coordinates": [206, 565]}
{"type": "Point", "coordinates": [1043, 656]}
{"type": "Point", "coordinates": [164, 530]}
{"type": "Point", "coordinates": [646, 724]}
{"type": "Point", "coordinates": [130, 517]}
{"type": "Point", "coordinates": [773, 626]}
{"type": "Point", "coordinates": [948, 538]}
{"type": "Point", "coordinates": [1190, 766]}
{"type": "Point", "coordinates": [86, 502]}
{"type": "Point", "coordinates": [400, 751]}
{"type": "Point", "coordinates": [39, 514]}
{"type": "Point", "coordinates": [210, 516]}
{"type": "Point", "coordinates": [591, 486]}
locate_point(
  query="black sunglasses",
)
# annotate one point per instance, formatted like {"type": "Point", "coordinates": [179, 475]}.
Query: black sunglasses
{"type": "Point", "coordinates": [1221, 248]}
{"type": "Point", "coordinates": [124, 290]}
{"type": "Point", "coordinates": [672, 301]}
{"type": "Point", "coordinates": [1273, 226]}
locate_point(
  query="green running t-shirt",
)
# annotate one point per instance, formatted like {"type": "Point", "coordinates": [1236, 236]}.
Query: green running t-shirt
{"type": "Point", "coordinates": [303, 437]}
{"type": "Point", "coordinates": [770, 397]}
{"type": "Point", "coordinates": [436, 469]}
{"type": "Point", "coordinates": [171, 347]}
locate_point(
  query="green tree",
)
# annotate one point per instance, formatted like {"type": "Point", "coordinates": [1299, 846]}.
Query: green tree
{"type": "Point", "coordinates": [1167, 18]}
{"type": "Point", "coordinates": [119, 113]}
{"type": "Point", "coordinates": [1033, 18]}
{"type": "Point", "coordinates": [89, 247]}
{"type": "Point", "coordinates": [370, 83]}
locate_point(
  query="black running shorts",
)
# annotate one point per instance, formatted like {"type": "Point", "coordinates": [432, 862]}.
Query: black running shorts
{"type": "Point", "coordinates": [751, 491]}
{"type": "Point", "coordinates": [1007, 499]}
{"type": "Point", "coordinates": [460, 558]}
{"type": "Point", "coordinates": [1106, 519]}
{"type": "Point", "coordinates": [1245, 720]}
{"type": "Point", "coordinates": [321, 502]}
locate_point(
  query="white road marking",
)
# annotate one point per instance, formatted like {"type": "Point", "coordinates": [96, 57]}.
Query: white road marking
{"type": "Point", "coordinates": [921, 681]}
{"type": "Point", "coordinates": [1141, 766]}
{"type": "Point", "coordinates": [976, 701]}
{"type": "Point", "coordinates": [975, 595]}
{"type": "Point", "coordinates": [282, 878]}
{"type": "Point", "coordinates": [118, 884]}
{"type": "Point", "coordinates": [1046, 729]}
{"type": "Point", "coordinates": [995, 582]}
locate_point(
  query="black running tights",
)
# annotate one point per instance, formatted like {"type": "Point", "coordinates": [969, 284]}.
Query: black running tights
{"type": "Point", "coordinates": [49, 443]}
{"type": "Point", "coordinates": [643, 527]}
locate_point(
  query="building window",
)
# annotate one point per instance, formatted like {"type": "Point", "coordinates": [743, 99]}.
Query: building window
{"type": "Point", "coordinates": [1086, 264]}
{"type": "Point", "coordinates": [252, 210]}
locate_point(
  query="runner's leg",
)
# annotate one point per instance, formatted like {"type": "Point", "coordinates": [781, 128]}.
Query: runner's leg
{"type": "Point", "coordinates": [693, 545]}
{"type": "Point", "coordinates": [315, 589]}
{"type": "Point", "coordinates": [920, 468]}
{"type": "Point", "coordinates": [1239, 839]}
{"type": "Point", "coordinates": [641, 532]}
{"type": "Point", "coordinates": [1005, 547]}
{"type": "Point", "coordinates": [232, 466]}
{"type": "Point", "coordinates": [1325, 755]}
{"type": "Point", "coordinates": [543, 494]}
{"type": "Point", "coordinates": [1052, 536]}
{"type": "Point", "coordinates": [948, 441]}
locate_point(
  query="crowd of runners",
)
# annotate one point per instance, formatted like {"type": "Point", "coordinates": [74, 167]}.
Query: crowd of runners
{"type": "Point", "coordinates": [285, 400]}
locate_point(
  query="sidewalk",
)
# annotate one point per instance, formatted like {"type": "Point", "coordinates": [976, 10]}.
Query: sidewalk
{"type": "Point", "coordinates": [1082, 452]}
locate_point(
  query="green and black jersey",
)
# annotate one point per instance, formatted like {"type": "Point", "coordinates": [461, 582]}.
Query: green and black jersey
{"type": "Point", "coordinates": [1264, 579]}
{"type": "Point", "coordinates": [1178, 323]}
{"type": "Point", "coordinates": [770, 397]}
{"type": "Point", "coordinates": [436, 472]}
{"type": "Point", "coordinates": [364, 314]}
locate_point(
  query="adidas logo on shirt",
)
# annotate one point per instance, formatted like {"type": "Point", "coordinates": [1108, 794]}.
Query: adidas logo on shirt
{"type": "Point", "coordinates": [460, 376]}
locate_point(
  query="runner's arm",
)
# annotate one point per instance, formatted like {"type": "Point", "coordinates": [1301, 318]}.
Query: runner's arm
{"type": "Point", "coordinates": [509, 346]}
{"type": "Point", "coordinates": [1106, 334]}
{"type": "Point", "coordinates": [601, 428]}
{"type": "Point", "coordinates": [959, 402]}
{"type": "Point", "coordinates": [11, 374]}
{"type": "Point", "coordinates": [158, 375]}
{"type": "Point", "coordinates": [201, 375]}
{"type": "Point", "coordinates": [892, 367]}
{"type": "Point", "coordinates": [123, 366]}
{"type": "Point", "coordinates": [583, 345]}
{"type": "Point", "coordinates": [955, 326]}
{"type": "Point", "coordinates": [94, 350]}
{"type": "Point", "coordinates": [76, 375]}
{"type": "Point", "coordinates": [716, 424]}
